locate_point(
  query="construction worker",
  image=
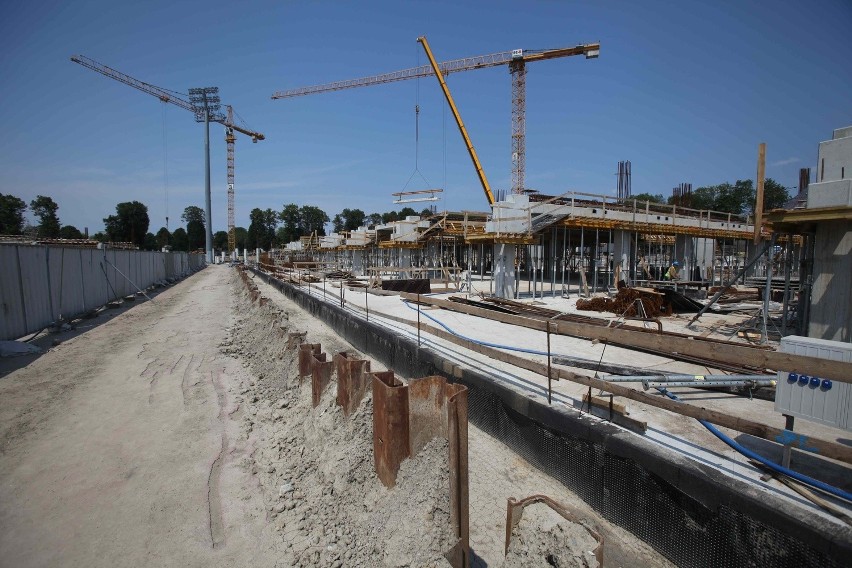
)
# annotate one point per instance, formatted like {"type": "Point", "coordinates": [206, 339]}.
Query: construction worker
{"type": "Point", "coordinates": [673, 273]}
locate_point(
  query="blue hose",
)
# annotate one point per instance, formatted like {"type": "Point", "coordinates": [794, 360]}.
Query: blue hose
{"type": "Point", "coordinates": [815, 483]}
{"type": "Point", "coordinates": [715, 431]}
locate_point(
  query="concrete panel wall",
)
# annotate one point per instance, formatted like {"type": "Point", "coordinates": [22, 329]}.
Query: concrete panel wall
{"type": "Point", "coordinates": [40, 284]}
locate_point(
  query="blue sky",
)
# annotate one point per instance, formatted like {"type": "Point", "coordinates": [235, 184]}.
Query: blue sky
{"type": "Point", "coordinates": [685, 90]}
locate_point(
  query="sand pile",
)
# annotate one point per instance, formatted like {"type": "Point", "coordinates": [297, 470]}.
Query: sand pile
{"type": "Point", "coordinates": [315, 467]}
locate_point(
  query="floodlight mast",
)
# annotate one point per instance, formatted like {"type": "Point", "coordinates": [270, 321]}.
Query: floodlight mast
{"type": "Point", "coordinates": [205, 100]}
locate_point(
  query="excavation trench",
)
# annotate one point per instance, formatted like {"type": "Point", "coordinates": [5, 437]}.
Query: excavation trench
{"type": "Point", "coordinates": [692, 514]}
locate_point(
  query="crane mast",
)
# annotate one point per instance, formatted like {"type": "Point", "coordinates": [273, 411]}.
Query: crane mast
{"type": "Point", "coordinates": [515, 59]}
{"type": "Point", "coordinates": [229, 145]}
{"type": "Point", "coordinates": [227, 120]}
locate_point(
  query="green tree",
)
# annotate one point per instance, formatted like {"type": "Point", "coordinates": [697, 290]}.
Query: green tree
{"type": "Point", "coordinates": [193, 213]}
{"type": "Point", "coordinates": [220, 240]}
{"type": "Point", "coordinates": [291, 220]}
{"type": "Point", "coordinates": [11, 215]}
{"type": "Point", "coordinates": [261, 232]}
{"type": "Point", "coordinates": [348, 220]}
{"type": "Point", "coordinates": [737, 198]}
{"type": "Point", "coordinates": [45, 209]}
{"type": "Point", "coordinates": [101, 237]}
{"type": "Point", "coordinates": [405, 212]}
{"type": "Point", "coordinates": [704, 198]}
{"type": "Point", "coordinates": [70, 232]}
{"type": "Point", "coordinates": [373, 219]}
{"type": "Point", "coordinates": [282, 237]}
{"type": "Point", "coordinates": [129, 224]}
{"type": "Point", "coordinates": [163, 238]}
{"type": "Point", "coordinates": [775, 195]}
{"type": "Point", "coordinates": [426, 212]}
{"type": "Point", "coordinates": [649, 197]}
{"type": "Point", "coordinates": [194, 218]}
{"type": "Point", "coordinates": [241, 236]}
{"type": "Point", "coordinates": [180, 241]}
{"type": "Point", "coordinates": [389, 217]}
{"type": "Point", "coordinates": [150, 241]}
{"type": "Point", "coordinates": [312, 218]}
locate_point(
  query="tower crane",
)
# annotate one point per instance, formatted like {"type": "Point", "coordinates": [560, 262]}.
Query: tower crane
{"type": "Point", "coordinates": [516, 59]}
{"type": "Point", "coordinates": [226, 119]}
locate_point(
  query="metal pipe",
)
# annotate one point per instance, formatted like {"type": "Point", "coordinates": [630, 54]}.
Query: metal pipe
{"type": "Point", "coordinates": [597, 257]}
{"type": "Point", "coordinates": [661, 378]}
{"type": "Point", "coordinates": [788, 257]}
{"type": "Point", "coordinates": [553, 237]}
{"type": "Point", "coordinates": [654, 384]}
{"type": "Point", "coordinates": [768, 292]}
{"type": "Point", "coordinates": [582, 260]}
{"type": "Point", "coordinates": [564, 258]}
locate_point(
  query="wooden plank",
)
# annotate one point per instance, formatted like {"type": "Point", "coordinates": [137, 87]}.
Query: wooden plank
{"type": "Point", "coordinates": [742, 355]}
{"type": "Point", "coordinates": [758, 204]}
{"type": "Point", "coordinates": [604, 403]}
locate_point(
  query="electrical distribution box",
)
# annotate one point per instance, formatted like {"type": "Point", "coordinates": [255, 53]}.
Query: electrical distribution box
{"type": "Point", "coordinates": [812, 397]}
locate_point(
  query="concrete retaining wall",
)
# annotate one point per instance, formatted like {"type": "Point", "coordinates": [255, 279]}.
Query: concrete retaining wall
{"type": "Point", "coordinates": [693, 514]}
{"type": "Point", "coordinates": [40, 284]}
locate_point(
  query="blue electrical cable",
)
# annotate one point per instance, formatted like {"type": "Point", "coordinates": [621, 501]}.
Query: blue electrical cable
{"type": "Point", "coordinates": [715, 431]}
{"type": "Point", "coordinates": [773, 466]}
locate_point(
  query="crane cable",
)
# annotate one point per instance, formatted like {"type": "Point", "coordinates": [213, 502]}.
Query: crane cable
{"type": "Point", "coordinates": [416, 130]}
{"type": "Point", "coordinates": [165, 167]}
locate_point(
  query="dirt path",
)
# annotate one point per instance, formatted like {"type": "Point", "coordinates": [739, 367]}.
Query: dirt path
{"type": "Point", "coordinates": [117, 447]}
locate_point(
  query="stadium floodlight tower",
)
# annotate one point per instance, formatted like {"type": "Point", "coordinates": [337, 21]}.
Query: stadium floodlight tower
{"type": "Point", "coordinates": [205, 102]}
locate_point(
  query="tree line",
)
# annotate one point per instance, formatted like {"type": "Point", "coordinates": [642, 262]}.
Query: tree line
{"type": "Point", "coordinates": [130, 223]}
{"type": "Point", "coordinates": [270, 228]}
{"type": "Point", "coordinates": [738, 198]}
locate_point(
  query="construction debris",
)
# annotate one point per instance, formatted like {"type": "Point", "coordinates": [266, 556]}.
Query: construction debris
{"type": "Point", "coordinates": [628, 302]}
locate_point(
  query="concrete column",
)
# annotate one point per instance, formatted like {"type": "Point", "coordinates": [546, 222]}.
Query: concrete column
{"type": "Point", "coordinates": [357, 263]}
{"type": "Point", "coordinates": [504, 270]}
{"type": "Point", "coordinates": [686, 255]}
{"type": "Point", "coordinates": [245, 256]}
{"type": "Point", "coordinates": [404, 262]}
{"type": "Point", "coordinates": [705, 256]}
{"type": "Point", "coordinates": [257, 257]}
{"type": "Point", "coordinates": [622, 251]}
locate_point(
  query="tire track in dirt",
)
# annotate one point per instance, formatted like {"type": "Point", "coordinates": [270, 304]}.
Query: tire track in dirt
{"type": "Point", "coordinates": [183, 379]}
{"type": "Point", "coordinates": [214, 502]}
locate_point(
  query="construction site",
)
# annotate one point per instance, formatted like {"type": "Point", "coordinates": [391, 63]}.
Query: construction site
{"type": "Point", "coordinates": [571, 379]}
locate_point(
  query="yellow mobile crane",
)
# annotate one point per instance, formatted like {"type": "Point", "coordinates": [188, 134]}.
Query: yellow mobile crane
{"type": "Point", "coordinates": [470, 150]}
{"type": "Point", "coordinates": [227, 120]}
{"type": "Point", "coordinates": [516, 59]}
